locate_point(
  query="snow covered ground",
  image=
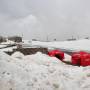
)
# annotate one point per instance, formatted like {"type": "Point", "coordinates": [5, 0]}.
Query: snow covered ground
{"type": "Point", "coordinates": [7, 46]}
{"type": "Point", "coordinates": [40, 72]}
{"type": "Point", "coordinates": [8, 49]}
{"type": "Point", "coordinates": [8, 42]}
{"type": "Point", "coordinates": [2, 46]}
{"type": "Point", "coordinates": [83, 44]}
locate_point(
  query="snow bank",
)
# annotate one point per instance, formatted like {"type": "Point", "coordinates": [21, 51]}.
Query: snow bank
{"type": "Point", "coordinates": [41, 72]}
{"type": "Point", "coordinates": [18, 55]}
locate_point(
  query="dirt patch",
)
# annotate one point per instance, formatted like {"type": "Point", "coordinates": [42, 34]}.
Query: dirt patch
{"type": "Point", "coordinates": [29, 51]}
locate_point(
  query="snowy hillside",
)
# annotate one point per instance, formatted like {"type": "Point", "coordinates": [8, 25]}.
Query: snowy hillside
{"type": "Point", "coordinates": [40, 72]}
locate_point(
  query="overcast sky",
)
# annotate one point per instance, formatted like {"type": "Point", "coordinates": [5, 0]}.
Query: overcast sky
{"type": "Point", "coordinates": [60, 19]}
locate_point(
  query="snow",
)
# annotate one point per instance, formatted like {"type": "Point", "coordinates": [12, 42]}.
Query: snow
{"type": "Point", "coordinates": [2, 46]}
{"type": "Point", "coordinates": [41, 72]}
{"type": "Point", "coordinates": [8, 42]}
{"type": "Point", "coordinates": [26, 41]}
{"type": "Point", "coordinates": [17, 55]}
{"type": "Point", "coordinates": [83, 44]}
{"type": "Point", "coordinates": [67, 57]}
{"type": "Point", "coordinates": [10, 49]}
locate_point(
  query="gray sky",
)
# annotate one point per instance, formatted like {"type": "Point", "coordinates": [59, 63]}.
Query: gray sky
{"type": "Point", "coordinates": [58, 19]}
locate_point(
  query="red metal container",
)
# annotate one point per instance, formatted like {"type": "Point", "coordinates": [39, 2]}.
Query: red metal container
{"type": "Point", "coordinates": [56, 53]}
{"type": "Point", "coordinates": [81, 58]}
{"type": "Point", "coordinates": [76, 59]}
{"type": "Point", "coordinates": [85, 61]}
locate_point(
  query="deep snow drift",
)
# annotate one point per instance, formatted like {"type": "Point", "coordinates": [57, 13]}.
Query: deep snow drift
{"type": "Point", "coordinates": [41, 72]}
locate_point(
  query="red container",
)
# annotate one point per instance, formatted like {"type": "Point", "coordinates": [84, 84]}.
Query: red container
{"type": "Point", "coordinates": [81, 58]}
{"type": "Point", "coordinates": [56, 53]}
{"type": "Point", "coordinates": [85, 61]}
{"type": "Point", "coordinates": [76, 59]}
